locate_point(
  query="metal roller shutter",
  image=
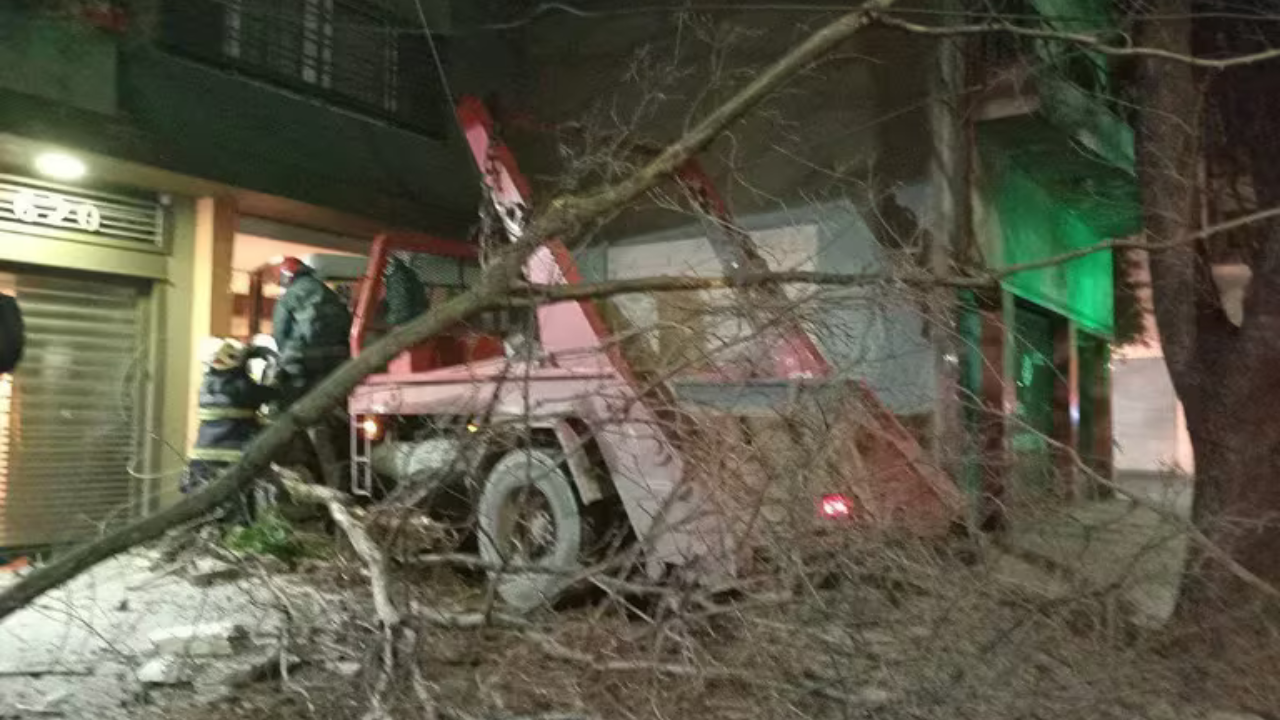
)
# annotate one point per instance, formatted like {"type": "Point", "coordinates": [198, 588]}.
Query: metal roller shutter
{"type": "Point", "coordinates": [69, 430]}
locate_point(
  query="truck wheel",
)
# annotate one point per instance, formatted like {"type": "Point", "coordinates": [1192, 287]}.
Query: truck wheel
{"type": "Point", "coordinates": [528, 515]}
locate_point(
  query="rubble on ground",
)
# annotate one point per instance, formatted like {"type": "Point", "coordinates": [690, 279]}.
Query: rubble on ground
{"type": "Point", "coordinates": [206, 639]}
{"type": "Point", "coordinates": [118, 637]}
{"type": "Point", "coordinates": [894, 629]}
{"type": "Point", "coordinates": [210, 571]}
{"type": "Point", "coordinates": [163, 670]}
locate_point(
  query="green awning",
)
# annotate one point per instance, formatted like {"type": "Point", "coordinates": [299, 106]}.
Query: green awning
{"type": "Point", "coordinates": [1051, 197]}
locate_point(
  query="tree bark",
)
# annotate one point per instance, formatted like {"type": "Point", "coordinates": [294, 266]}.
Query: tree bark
{"type": "Point", "coordinates": [1237, 503]}
{"type": "Point", "coordinates": [1224, 375]}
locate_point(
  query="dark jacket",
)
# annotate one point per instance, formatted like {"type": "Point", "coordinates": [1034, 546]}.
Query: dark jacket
{"type": "Point", "coordinates": [406, 296]}
{"type": "Point", "coordinates": [228, 414]}
{"type": "Point", "coordinates": [12, 334]}
{"type": "Point", "coordinates": [311, 322]}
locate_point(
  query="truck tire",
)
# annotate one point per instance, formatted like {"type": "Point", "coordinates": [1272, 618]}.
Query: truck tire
{"type": "Point", "coordinates": [528, 515]}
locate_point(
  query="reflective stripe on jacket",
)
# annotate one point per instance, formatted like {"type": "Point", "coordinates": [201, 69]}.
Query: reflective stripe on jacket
{"type": "Point", "coordinates": [229, 402]}
{"type": "Point", "coordinates": [227, 455]}
{"type": "Point", "coordinates": [226, 413]}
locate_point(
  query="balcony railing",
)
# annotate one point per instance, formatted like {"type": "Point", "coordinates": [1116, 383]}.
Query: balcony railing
{"type": "Point", "coordinates": [352, 53]}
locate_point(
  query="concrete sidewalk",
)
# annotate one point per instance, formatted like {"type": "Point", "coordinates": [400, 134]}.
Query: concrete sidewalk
{"type": "Point", "coordinates": [77, 652]}
{"type": "Point", "coordinates": [1108, 544]}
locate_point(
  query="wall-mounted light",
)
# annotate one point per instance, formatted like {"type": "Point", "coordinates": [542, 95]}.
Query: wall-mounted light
{"type": "Point", "coordinates": [60, 166]}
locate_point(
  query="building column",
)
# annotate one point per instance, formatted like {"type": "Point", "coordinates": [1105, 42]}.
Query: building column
{"type": "Point", "coordinates": [1097, 445]}
{"type": "Point", "coordinates": [989, 472]}
{"type": "Point", "coordinates": [1103, 440]}
{"type": "Point", "coordinates": [950, 234]}
{"type": "Point", "coordinates": [994, 400]}
{"type": "Point", "coordinates": [173, 341]}
{"type": "Point", "coordinates": [212, 304]}
{"type": "Point", "coordinates": [1009, 363]}
{"type": "Point", "coordinates": [1066, 407]}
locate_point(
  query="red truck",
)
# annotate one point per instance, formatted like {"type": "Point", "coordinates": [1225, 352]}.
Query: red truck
{"type": "Point", "coordinates": [557, 450]}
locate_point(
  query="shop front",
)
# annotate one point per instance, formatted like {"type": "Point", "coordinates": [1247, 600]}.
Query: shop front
{"type": "Point", "coordinates": [1050, 207]}
{"type": "Point", "coordinates": [76, 418]}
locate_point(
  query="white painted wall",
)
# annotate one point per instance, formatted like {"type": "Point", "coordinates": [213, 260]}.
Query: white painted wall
{"type": "Point", "coordinates": [868, 333]}
{"type": "Point", "coordinates": [1149, 428]}
{"type": "Point", "coordinates": [1148, 424]}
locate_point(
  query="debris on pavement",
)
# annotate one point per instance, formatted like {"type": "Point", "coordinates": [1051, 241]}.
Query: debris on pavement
{"type": "Point", "coordinates": [136, 630]}
{"type": "Point", "coordinates": [262, 667]}
{"type": "Point", "coordinates": [200, 640]}
{"type": "Point", "coordinates": [209, 571]}
{"type": "Point", "coordinates": [163, 670]}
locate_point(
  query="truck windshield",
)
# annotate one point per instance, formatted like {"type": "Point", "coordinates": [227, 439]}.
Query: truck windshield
{"type": "Point", "coordinates": [441, 278]}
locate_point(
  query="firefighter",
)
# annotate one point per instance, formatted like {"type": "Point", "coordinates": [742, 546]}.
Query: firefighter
{"type": "Point", "coordinates": [12, 337]}
{"type": "Point", "coordinates": [228, 414]}
{"type": "Point", "coordinates": [311, 325]}
{"type": "Point", "coordinates": [406, 296]}
{"type": "Point", "coordinates": [12, 334]}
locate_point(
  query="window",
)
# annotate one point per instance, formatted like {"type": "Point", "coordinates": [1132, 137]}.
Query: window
{"type": "Point", "coordinates": [1000, 51]}
{"type": "Point", "coordinates": [355, 53]}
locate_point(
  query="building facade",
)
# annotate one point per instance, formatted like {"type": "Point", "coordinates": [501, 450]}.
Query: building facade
{"type": "Point", "coordinates": [901, 151]}
{"type": "Point", "coordinates": [154, 152]}
{"type": "Point", "coordinates": [151, 153]}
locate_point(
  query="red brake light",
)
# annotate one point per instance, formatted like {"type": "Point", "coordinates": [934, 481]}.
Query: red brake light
{"type": "Point", "coordinates": [835, 506]}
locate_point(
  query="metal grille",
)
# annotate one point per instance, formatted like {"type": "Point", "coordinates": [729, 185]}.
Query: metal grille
{"type": "Point", "coordinates": [363, 51]}
{"type": "Point", "coordinates": [1000, 50]}
{"type": "Point", "coordinates": [433, 270]}
{"type": "Point", "coordinates": [33, 208]}
{"type": "Point", "coordinates": [352, 52]}
{"type": "Point", "coordinates": [455, 276]}
{"type": "Point", "coordinates": [69, 415]}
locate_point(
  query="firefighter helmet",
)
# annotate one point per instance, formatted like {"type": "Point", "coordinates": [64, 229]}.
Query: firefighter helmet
{"type": "Point", "coordinates": [222, 353]}
{"type": "Point", "coordinates": [289, 268]}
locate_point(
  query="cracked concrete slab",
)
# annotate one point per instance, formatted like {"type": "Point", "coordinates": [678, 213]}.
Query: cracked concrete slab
{"type": "Point", "coordinates": [86, 642]}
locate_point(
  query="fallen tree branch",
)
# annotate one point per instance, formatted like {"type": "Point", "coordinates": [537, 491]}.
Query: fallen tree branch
{"type": "Point", "coordinates": [596, 205]}
{"type": "Point", "coordinates": [865, 697]}
{"type": "Point", "coordinates": [257, 457]}
{"type": "Point", "coordinates": [562, 218]}
{"type": "Point", "coordinates": [369, 552]}
{"type": "Point", "coordinates": [393, 632]}
{"type": "Point", "coordinates": [979, 279]}
{"type": "Point", "coordinates": [466, 621]}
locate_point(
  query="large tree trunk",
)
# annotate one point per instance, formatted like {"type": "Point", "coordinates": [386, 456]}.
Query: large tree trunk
{"type": "Point", "coordinates": [1236, 435]}
{"type": "Point", "coordinates": [1225, 376]}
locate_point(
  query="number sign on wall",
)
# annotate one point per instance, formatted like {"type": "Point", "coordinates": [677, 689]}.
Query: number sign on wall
{"type": "Point", "coordinates": [56, 210]}
{"type": "Point", "coordinates": [34, 209]}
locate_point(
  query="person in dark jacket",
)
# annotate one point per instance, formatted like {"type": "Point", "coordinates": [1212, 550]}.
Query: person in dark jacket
{"type": "Point", "coordinates": [12, 334]}
{"type": "Point", "coordinates": [406, 295]}
{"type": "Point", "coordinates": [311, 325]}
{"type": "Point", "coordinates": [228, 414]}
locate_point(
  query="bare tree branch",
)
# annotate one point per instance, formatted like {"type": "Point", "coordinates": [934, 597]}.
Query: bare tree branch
{"type": "Point", "coordinates": [574, 212]}
{"type": "Point", "coordinates": [910, 278]}
{"type": "Point", "coordinates": [336, 504]}
{"type": "Point", "coordinates": [867, 697]}
{"type": "Point", "coordinates": [563, 217]}
{"type": "Point", "coordinates": [1093, 42]}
